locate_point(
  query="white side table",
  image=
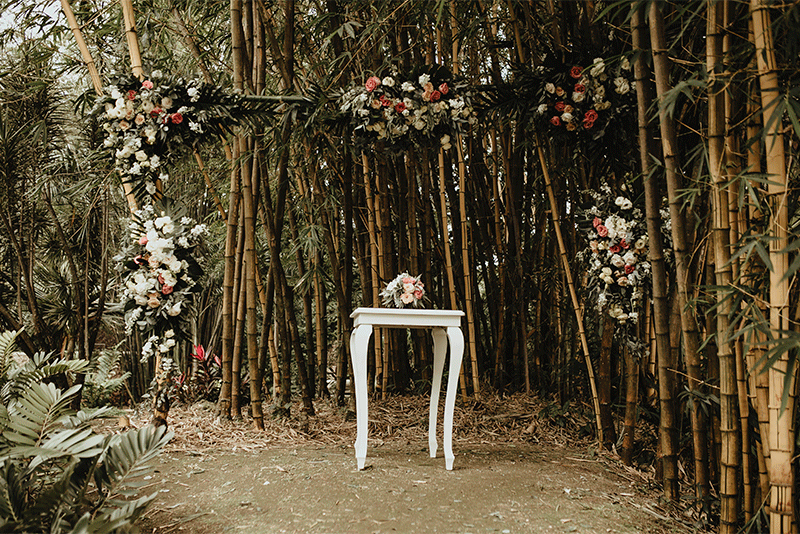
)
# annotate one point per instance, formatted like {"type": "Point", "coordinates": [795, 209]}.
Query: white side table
{"type": "Point", "coordinates": [445, 324]}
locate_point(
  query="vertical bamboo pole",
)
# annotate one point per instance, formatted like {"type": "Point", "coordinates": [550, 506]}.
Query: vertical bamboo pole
{"type": "Point", "coordinates": [729, 408]}
{"type": "Point", "coordinates": [467, 265]}
{"type": "Point", "coordinates": [472, 355]}
{"type": "Point", "coordinates": [133, 40]}
{"type": "Point", "coordinates": [576, 306]}
{"type": "Point", "coordinates": [373, 255]}
{"type": "Point", "coordinates": [781, 375]}
{"type": "Point", "coordinates": [448, 256]}
{"type": "Point", "coordinates": [668, 433]}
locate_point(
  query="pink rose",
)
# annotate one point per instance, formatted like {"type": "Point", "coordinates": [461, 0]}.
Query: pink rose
{"type": "Point", "coordinates": [579, 88]}
{"type": "Point", "coordinates": [614, 249]}
{"type": "Point", "coordinates": [166, 290]}
{"type": "Point", "coordinates": [372, 83]}
{"type": "Point", "coordinates": [147, 84]}
{"type": "Point", "coordinates": [142, 241]}
{"type": "Point", "coordinates": [555, 121]}
{"type": "Point", "coordinates": [590, 115]}
{"type": "Point", "coordinates": [602, 231]}
{"type": "Point", "coordinates": [436, 95]}
{"type": "Point", "coordinates": [176, 118]}
{"type": "Point", "coordinates": [444, 89]}
{"type": "Point", "coordinates": [418, 294]}
{"type": "Point", "coordinates": [155, 112]}
{"type": "Point", "coordinates": [400, 107]}
{"type": "Point", "coordinates": [575, 72]}
{"type": "Point", "coordinates": [385, 102]}
{"type": "Point", "coordinates": [409, 280]}
{"type": "Point", "coordinates": [560, 107]}
{"type": "Point", "coordinates": [588, 124]}
{"type": "Point", "coordinates": [597, 222]}
{"type": "Point", "coordinates": [407, 298]}
{"type": "Point", "coordinates": [624, 244]}
{"type": "Point", "coordinates": [629, 269]}
{"type": "Point", "coordinates": [138, 260]}
{"type": "Point", "coordinates": [131, 94]}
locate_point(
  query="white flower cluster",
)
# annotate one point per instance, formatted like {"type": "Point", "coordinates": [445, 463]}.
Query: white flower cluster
{"type": "Point", "coordinates": [617, 255]}
{"type": "Point", "coordinates": [159, 281]}
{"type": "Point", "coordinates": [158, 345]}
{"type": "Point", "coordinates": [413, 112]}
{"type": "Point", "coordinates": [136, 119]}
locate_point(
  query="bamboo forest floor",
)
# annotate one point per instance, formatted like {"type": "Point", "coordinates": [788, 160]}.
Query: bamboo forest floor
{"type": "Point", "coordinates": [514, 472]}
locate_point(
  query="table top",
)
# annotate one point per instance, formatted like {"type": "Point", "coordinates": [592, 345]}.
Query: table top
{"type": "Point", "coordinates": [406, 317]}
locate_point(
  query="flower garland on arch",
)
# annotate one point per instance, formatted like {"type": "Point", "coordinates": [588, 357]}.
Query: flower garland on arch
{"type": "Point", "coordinates": [585, 100]}
{"type": "Point", "coordinates": [147, 122]}
{"type": "Point", "coordinates": [618, 271]}
{"type": "Point", "coordinates": [161, 275]}
{"type": "Point", "coordinates": [424, 108]}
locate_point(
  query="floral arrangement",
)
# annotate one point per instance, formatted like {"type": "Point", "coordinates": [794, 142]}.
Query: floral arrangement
{"type": "Point", "coordinates": [423, 108]}
{"type": "Point", "coordinates": [147, 121]}
{"type": "Point", "coordinates": [616, 258]}
{"type": "Point", "coordinates": [160, 274]}
{"type": "Point", "coordinates": [576, 99]}
{"type": "Point", "coordinates": [405, 291]}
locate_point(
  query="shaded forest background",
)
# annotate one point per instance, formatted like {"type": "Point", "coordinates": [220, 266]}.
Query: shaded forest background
{"type": "Point", "coordinates": [307, 221]}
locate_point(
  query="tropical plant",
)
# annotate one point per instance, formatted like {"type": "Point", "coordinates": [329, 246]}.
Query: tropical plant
{"type": "Point", "coordinates": [104, 379]}
{"type": "Point", "coordinates": [56, 474]}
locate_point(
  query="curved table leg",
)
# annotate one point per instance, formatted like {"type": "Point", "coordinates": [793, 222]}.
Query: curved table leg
{"type": "Point", "coordinates": [439, 351]}
{"type": "Point", "coordinates": [359, 339]}
{"type": "Point", "coordinates": [456, 354]}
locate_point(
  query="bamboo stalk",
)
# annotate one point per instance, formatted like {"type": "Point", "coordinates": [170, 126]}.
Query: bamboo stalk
{"type": "Point", "coordinates": [781, 376]}
{"type": "Point", "coordinates": [729, 409]}
{"type": "Point", "coordinates": [668, 426]}
{"type": "Point", "coordinates": [133, 40]}
{"type": "Point", "coordinates": [85, 53]}
{"type": "Point", "coordinates": [467, 265]}
{"type": "Point", "coordinates": [576, 306]}
{"type": "Point", "coordinates": [448, 256]}
{"type": "Point", "coordinates": [373, 254]}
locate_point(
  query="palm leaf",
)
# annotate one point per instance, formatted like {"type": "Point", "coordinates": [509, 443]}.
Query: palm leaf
{"type": "Point", "coordinates": [37, 413]}
{"type": "Point", "coordinates": [7, 346]}
{"type": "Point", "coordinates": [126, 459]}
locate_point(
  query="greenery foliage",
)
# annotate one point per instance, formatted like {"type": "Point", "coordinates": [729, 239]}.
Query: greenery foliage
{"type": "Point", "coordinates": [56, 474]}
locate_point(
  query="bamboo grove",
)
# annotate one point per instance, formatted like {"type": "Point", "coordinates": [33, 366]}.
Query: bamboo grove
{"type": "Point", "coordinates": [309, 223]}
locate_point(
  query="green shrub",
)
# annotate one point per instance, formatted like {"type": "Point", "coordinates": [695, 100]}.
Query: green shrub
{"type": "Point", "coordinates": [56, 474]}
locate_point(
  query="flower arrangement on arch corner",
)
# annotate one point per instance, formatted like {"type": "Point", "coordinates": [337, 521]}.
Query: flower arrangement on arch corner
{"type": "Point", "coordinates": [618, 272]}
{"type": "Point", "coordinates": [405, 291]}
{"type": "Point", "coordinates": [146, 122]}
{"type": "Point", "coordinates": [424, 108]}
{"type": "Point", "coordinates": [160, 275]}
{"type": "Point", "coordinates": [576, 99]}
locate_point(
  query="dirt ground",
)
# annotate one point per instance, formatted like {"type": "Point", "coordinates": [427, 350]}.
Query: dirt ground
{"type": "Point", "coordinates": [512, 474]}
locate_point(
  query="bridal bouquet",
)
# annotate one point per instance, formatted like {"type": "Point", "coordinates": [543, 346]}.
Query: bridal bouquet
{"type": "Point", "coordinates": [405, 291]}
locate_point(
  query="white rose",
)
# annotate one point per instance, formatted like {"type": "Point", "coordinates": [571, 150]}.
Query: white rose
{"type": "Point", "coordinates": [407, 87]}
{"type": "Point", "coordinates": [621, 85]}
{"type": "Point", "coordinates": [541, 109]}
{"type": "Point", "coordinates": [617, 261]}
{"type": "Point", "coordinates": [388, 81]}
{"type": "Point", "coordinates": [550, 88]}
